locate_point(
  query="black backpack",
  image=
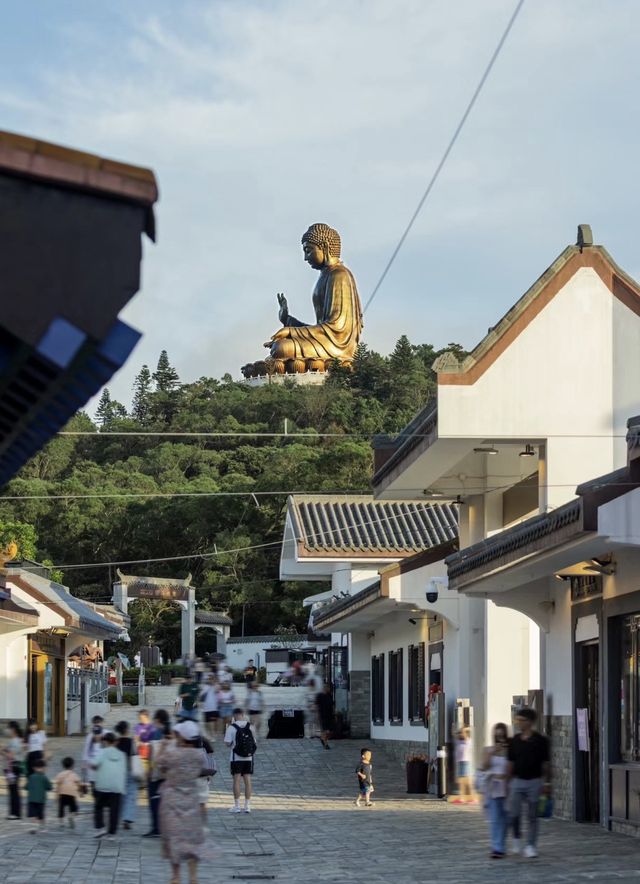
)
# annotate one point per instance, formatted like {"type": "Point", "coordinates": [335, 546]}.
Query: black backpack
{"type": "Point", "coordinates": [245, 744]}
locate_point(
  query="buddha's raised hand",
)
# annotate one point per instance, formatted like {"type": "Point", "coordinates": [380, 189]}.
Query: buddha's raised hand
{"type": "Point", "coordinates": [283, 313]}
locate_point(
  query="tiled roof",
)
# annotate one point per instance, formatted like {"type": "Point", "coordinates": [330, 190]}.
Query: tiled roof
{"type": "Point", "coordinates": [391, 450]}
{"type": "Point", "coordinates": [76, 612]}
{"type": "Point", "coordinates": [130, 579]}
{"type": "Point", "coordinates": [358, 523]}
{"type": "Point", "coordinates": [215, 618]}
{"type": "Point", "coordinates": [513, 539]}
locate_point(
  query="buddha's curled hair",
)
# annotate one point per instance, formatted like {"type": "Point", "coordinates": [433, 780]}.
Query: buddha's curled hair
{"type": "Point", "coordinates": [321, 234]}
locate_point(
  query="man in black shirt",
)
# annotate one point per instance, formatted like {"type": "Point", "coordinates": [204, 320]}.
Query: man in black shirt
{"type": "Point", "coordinates": [529, 772]}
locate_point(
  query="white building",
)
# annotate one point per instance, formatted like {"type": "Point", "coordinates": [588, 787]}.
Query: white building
{"type": "Point", "coordinates": [538, 408]}
{"type": "Point", "coordinates": [40, 624]}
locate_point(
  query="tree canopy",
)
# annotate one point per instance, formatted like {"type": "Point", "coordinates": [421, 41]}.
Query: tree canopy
{"type": "Point", "coordinates": [213, 506]}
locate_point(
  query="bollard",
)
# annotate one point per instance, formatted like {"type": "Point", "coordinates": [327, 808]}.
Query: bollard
{"type": "Point", "coordinates": [441, 779]}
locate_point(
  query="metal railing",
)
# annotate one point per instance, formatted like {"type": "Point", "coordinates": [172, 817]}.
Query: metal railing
{"type": "Point", "coordinates": [97, 680]}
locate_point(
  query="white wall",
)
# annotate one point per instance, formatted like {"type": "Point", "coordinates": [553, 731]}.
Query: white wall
{"type": "Point", "coordinates": [238, 655]}
{"type": "Point", "coordinates": [558, 651]}
{"type": "Point", "coordinates": [396, 632]}
{"type": "Point", "coordinates": [559, 380]}
{"type": "Point", "coordinates": [512, 661]}
{"type": "Point", "coordinates": [13, 675]}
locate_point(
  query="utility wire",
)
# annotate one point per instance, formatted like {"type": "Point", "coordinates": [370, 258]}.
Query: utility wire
{"type": "Point", "coordinates": [448, 150]}
{"type": "Point", "coordinates": [440, 494]}
{"type": "Point", "coordinates": [313, 434]}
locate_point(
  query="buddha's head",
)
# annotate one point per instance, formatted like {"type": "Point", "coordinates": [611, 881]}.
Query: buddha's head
{"type": "Point", "coordinates": [321, 246]}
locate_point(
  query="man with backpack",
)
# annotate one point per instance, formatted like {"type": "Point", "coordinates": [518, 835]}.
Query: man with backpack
{"type": "Point", "coordinates": [241, 740]}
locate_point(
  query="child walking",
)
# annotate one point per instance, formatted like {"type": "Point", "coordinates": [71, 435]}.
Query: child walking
{"type": "Point", "coordinates": [67, 785]}
{"type": "Point", "coordinates": [365, 779]}
{"type": "Point", "coordinates": [38, 784]}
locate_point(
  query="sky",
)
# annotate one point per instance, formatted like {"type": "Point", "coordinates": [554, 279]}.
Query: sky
{"type": "Point", "coordinates": [260, 118]}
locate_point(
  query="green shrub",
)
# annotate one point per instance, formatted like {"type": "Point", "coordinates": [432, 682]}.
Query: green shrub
{"type": "Point", "coordinates": [238, 675]}
{"type": "Point", "coordinates": [130, 697]}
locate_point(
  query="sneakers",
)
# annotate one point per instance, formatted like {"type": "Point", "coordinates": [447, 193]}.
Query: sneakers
{"type": "Point", "coordinates": [247, 808]}
{"type": "Point", "coordinates": [235, 809]}
{"type": "Point", "coordinates": [516, 847]}
{"type": "Point", "coordinates": [99, 833]}
{"type": "Point", "coordinates": [530, 852]}
{"type": "Point", "coordinates": [358, 803]}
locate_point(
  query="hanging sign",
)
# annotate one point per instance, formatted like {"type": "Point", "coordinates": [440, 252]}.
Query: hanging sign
{"type": "Point", "coordinates": [582, 722]}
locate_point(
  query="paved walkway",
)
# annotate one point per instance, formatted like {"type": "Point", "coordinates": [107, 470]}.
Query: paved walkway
{"type": "Point", "coordinates": [304, 827]}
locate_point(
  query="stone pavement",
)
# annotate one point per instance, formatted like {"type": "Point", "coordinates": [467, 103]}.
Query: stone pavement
{"type": "Point", "coordinates": [304, 826]}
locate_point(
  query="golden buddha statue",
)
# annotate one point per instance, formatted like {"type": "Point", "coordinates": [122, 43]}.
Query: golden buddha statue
{"type": "Point", "coordinates": [336, 302]}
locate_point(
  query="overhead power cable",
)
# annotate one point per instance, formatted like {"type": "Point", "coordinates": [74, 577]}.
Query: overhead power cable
{"type": "Point", "coordinates": [449, 148]}
{"type": "Point", "coordinates": [441, 494]}
{"type": "Point", "coordinates": [314, 434]}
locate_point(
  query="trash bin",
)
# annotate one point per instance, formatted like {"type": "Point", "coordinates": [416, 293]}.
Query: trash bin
{"type": "Point", "coordinates": [417, 776]}
{"type": "Point", "coordinates": [286, 724]}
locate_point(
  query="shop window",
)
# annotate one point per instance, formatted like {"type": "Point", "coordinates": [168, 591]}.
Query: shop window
{"type": "Point", "coordinates": [377, 689]}
{"type": "Point", "coordinates": [630, 689]}
{"type": "Point", "coordinates": [395, 686]}
{"type": "Point", "coordinates": [416, 682]}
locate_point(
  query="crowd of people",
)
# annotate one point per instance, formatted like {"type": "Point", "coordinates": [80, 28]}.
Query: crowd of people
{"type": "Point", "coordinates": [172, 761]}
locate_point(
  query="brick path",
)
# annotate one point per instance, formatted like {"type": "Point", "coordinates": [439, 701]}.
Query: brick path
{"type": "Point", "coordinates": [305, 827]}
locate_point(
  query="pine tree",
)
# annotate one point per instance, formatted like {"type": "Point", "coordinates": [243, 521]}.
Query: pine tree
{"type": "Point", "coordinates": [141, 405]}
{"type": "Point", "coordinates": [103, 411]}
{"type": "Point", "coordinates": [165, 376]}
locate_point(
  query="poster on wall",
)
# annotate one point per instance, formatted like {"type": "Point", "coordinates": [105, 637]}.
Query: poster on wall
{"type": "Point", "coordinates": [582, 723]}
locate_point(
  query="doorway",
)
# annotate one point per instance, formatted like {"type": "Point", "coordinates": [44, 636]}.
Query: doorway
{"type": "Point", "coordinates": [588, 762]}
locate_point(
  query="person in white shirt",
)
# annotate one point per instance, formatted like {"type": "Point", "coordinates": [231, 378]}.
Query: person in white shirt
{"type": "Point", "coordinates": [36, 741]}
{"type": "Point", "coordinates": [241, 740]}
{"type": "Point", "coordinates": [208, 701]}
{"type": "Point", "coordinates": [92, 746]}
{"type": "Point", "coordinates": [255, 706]}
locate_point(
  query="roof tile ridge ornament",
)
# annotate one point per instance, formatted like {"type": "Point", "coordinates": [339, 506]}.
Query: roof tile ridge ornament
{"type": "Point", "coordinates": [448, 362]}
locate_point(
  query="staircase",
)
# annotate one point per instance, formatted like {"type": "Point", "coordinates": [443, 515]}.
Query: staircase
{"type": "Point", "coordinates": [163, 697]}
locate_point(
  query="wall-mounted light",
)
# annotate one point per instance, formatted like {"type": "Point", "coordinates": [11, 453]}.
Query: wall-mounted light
{"type": "Point", "coordinates": [527, 451]}
{"type": "Point", "coordinates": [58, 630]}
{"type": "Point", "coordinates": [486, 449]}
{"type": "Point", "coordinates": [607, 567]}
{"type": "Point", "coordinates": [433, 492]}
{"type": "Point", "coordinates": [412, 621]}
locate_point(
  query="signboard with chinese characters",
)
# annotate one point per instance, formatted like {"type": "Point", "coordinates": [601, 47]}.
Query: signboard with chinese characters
{"type": "Point", "coordinates": [163, 593]}
{"type": "Point", "coordinates": [582, 723]}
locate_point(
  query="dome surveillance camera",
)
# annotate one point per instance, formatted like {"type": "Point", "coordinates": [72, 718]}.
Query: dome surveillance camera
{"type": "Point", "coordinates": [432, 596]}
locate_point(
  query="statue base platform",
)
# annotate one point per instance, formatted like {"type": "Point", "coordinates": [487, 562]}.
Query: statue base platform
{"type": "Point", "coordinates": [305, 379]}
{"type": "Point", "coordinates": [267, 371]}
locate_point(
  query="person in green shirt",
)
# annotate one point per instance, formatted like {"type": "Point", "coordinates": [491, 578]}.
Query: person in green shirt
{"type": "Point", "coordinates": [38, 784]}
{"type": "Point", "coordinates": [188, 696]}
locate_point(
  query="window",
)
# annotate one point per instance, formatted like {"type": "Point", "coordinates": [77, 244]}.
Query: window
{"type": "Point", "coordinates": [630, 689]}
{"type": "Point", "coordinates": [416, 682]}
{"type": "Point", "coordinates": [395, 686]}
{"type": "Point", "coordinates": [377, 689]}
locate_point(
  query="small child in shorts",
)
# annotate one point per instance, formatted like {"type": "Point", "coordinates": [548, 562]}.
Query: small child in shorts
{"type": "Point", "coordinates": [67, 785]}
{"type": "Point", "coordinates": [38, 784]}
{"type": "Point", "coordinates": [365, 780]}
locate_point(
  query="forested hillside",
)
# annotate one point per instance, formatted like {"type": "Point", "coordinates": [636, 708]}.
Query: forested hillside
{"type": "Point", "coordinates": [130, 521]}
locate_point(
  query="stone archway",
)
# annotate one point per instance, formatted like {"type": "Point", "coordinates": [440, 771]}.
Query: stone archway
{"type": "Point", "coordinates": [128, 588]}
